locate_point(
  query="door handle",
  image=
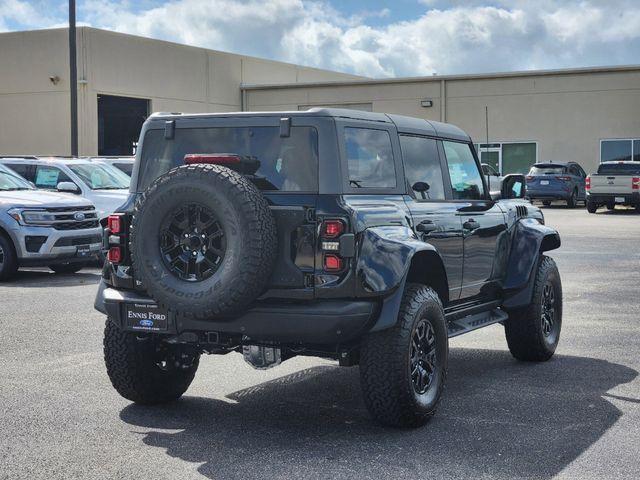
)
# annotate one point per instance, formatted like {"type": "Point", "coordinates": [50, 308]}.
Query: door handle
{"type": "Point", "coordinates": [471, 224]}
{"type": "Point", "coordinates": [426, 226]}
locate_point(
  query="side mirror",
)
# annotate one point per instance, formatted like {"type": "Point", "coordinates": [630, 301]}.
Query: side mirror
{"type": "Point", "coordinates": [422, 188]}
{"type": "Point", "coordinates": [513, 186]}
{"type": "Point", "coordinates": [68, 187]}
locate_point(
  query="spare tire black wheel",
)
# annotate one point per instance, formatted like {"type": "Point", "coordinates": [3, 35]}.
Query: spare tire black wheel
{"type": "Point", "coordinates": [203, 241]}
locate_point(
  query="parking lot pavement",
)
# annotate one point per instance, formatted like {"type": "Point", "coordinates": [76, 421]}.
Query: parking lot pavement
{"type": "Point", "coordinates": [576, 416]}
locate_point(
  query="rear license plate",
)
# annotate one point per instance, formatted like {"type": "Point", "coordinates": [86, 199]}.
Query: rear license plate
{"type": "Point", "coordinates": [83, 250]}
{"type": "Point", "coordinates": [619, 199]}
{"type": "Point", "coordinates": [147, 317]}
{"type": "Point", "coordinates": [544, 182]}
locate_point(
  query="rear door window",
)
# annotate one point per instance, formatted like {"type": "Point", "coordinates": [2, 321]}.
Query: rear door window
{"type": "Point", "coordinates": [287, 164]}
{"type": "Point", "coordinates": [422, 164]}
{"type": "Point", "coordinates": [369, 158]}
{"type": "Point", "coordinates": [466, 180]}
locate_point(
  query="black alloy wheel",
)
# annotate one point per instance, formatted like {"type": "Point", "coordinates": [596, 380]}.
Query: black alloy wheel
{"type": "Point", "coordinates": [423, 358]}
{"type": "Point", "coordinates": [192, 242]}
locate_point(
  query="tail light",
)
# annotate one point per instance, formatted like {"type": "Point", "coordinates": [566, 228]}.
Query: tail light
{"type": "Point", "coordinates": [330, 231]}
{"type": "Point", "coordinates": [115, 254]}
{"type": "Point", "coordinates": [115, 236]}
{"type": "Point", "coordinates": [564, 178]}
{"type": "Point", "coordinates": [587, 183]}
{"type": "Point", "coordinates": [635, 183]}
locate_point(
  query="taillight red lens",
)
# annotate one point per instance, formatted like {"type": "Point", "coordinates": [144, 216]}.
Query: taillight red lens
{"type": "Point", "coordinates": [114, 255]}
{"type": "Point", "coordinates": [212, 158]}
{"type": "Point", "coordinates": [635, 183]}
{"type": "Point", "coordinates": [114, 223]}
{"type": "Point", "coordinates": [587, 183]}
{"type": "Point", "coordinates": [332, 228]}
{"type": "Point", "coordinates": [332, 263]}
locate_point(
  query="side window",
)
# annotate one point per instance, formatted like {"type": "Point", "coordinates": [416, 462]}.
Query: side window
{"type": "Point", "coordinates": [421, 164]}
{"type": "Point", "coordinates": [49, 177]}
{"type": "Point", "coordinates": [466, 180]}
{"type": "Point", "coordinates": [23, 169]}
{"type": "Point", "coordinates": [369, 158]}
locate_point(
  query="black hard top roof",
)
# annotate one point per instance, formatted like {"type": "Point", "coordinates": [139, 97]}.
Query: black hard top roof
{"type": "Point", "coordinates": [403, 123]}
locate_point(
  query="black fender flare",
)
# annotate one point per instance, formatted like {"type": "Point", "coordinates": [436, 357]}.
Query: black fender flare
{"type": "Point", "coordinates": [529, 241]}
{"type": "Point", "coordinates": [390, 256]}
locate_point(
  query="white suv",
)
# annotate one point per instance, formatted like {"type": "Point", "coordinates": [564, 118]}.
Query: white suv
{"type": "Point", "coordinates": [105, 186]}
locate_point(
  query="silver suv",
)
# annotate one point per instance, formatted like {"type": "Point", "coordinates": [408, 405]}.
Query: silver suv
{"type": "Point", "coordinates": [39, 228]}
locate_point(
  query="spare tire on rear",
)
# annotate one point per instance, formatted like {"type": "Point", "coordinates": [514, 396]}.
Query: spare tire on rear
{"type": "Point", "coordinates": [203, 241]}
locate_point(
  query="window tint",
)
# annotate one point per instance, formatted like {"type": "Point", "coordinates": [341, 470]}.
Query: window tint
{"type": "Point", "coordinates": [369, 158]}
{"type": "Point", "coordinates": [466, 180]}
{"type": "Point", "coordinates": [619, 169]}
{"type": "Point", "coordinates": [636, 150]}
{"type": "Point", "coordinates": [421, 164]}
{"type": "Point", "coordinates": [23, 169]}
{"type": "Point", "coordinates": [547, 170]}
{"type": "Point", "coordinates": [49, 177]}
{"type": "Point", "coordinates": [615, 150]}
{"type": "Point", "coordinates": [285, 163]}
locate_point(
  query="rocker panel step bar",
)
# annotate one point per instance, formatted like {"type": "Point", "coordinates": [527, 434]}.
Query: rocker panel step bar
{"type": "Point", "coordinates": [477, 320]}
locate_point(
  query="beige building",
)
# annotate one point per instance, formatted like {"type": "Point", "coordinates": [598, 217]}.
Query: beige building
{"type": "Point", "coordinates": [585, 115]}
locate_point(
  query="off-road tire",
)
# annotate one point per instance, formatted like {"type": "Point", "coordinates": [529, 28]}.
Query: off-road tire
{"type": "Point", "coordinates": [591, 207]}
{"type": "Point", "coordinates": [66, 268]}
{"type": "Point", "coordinates": [132, 366]}
{"type": "Point", "coordinates": [524, 328]}
{"type": "Point", "coordinates": [572, 201]}
{"type": "Point", "coordinates": [385, 375]}
{"type": "Point", "coordinates": [8, 258]}
{"type": "Point", "coordinates": [250, 240]}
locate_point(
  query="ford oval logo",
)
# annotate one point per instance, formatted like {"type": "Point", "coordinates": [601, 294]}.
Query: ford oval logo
{"type": "Point", "coordinates": [146, 323]}
{"type": "Point", "coordinates": [79, 216]}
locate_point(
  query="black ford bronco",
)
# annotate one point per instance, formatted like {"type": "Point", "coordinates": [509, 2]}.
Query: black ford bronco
{"type": "Point", "coordinates": [362, 237]}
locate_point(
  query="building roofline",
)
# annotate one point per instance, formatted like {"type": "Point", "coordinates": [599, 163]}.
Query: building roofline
{"type": "Point", "coordinates": [438, 78]}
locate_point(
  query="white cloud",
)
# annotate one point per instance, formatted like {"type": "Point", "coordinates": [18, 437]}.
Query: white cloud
{"type": "Point", "coordinates": [449, 37]}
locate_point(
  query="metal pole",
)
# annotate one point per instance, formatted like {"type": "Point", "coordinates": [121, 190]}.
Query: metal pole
{"type": "Point", "coordinates": [73, 78]}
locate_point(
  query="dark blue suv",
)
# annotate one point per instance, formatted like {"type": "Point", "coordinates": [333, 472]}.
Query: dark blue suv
{"type": "Point", "coordinates": [557, 181]}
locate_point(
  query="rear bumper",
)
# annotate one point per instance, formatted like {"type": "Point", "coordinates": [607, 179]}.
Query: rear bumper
{"type": "Point", "coordinates": [632, 199]}
{"type": "Point", "coordinates": [323, 322]}
{"type": "Point", "coordinates": [548, 195]}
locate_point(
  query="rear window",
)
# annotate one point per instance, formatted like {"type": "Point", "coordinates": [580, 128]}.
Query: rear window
{"type": "Point", "coordinates": [287, 164]}
{"type": "Point", "coordinates": [547, 170]}
{"type": "Point", "coordinates": [619, 169]}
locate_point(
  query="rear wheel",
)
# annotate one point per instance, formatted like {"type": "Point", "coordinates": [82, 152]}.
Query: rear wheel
{"type": "Point", "coordinates": [611, 206]}
{"type": "Point", "coordinates": [533, 332]}
{"type": "Point", "coordinates": [591, 207]}
{"type": "Point", "coordinates": [66, 267]}
{"type": "Point", "coordinates": [546, 203]}
{"type": "Point", "coordinates": [144, 369]}
{"type": "Point", "coordinates": [403, 369]}
{"type": "Point", "coordinates": [8, 258]}
{"type": "Point", "coordinates": [573, 199]}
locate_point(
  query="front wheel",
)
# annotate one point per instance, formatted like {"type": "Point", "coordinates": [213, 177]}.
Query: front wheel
{"type": "Point", "coordinates": [403, 369]}
{"type": "Point", "coordinates": [533, 332]}
{"type": "Point", "coordinates": [8, 258]}
{"type": "Point", "coordinates": [144, 369]}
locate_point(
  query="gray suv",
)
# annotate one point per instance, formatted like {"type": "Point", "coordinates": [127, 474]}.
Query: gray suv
{"type": "Point", "coordinates": [39, 228]}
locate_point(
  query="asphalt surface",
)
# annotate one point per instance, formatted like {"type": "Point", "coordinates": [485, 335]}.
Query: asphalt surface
{"type": "Point", "coordinates": [576, 416]}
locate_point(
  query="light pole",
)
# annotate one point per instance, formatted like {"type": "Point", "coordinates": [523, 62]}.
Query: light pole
{"type": "Point", "coordinates": [73, 78]}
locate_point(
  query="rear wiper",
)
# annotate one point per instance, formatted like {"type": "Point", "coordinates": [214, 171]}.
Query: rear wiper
{"type": "Point", "coordinates": [355, 183]}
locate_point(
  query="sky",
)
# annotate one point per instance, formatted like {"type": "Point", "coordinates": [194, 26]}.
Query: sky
{"type": "Point", "coordinates": [374, 38]}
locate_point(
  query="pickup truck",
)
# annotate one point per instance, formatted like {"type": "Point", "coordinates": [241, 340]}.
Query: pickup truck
{"type": "Point", "coordinates": [615, 183]}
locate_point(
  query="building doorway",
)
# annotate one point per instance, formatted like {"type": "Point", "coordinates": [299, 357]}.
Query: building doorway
{"type": "Point", "coordinates": [119, 123]}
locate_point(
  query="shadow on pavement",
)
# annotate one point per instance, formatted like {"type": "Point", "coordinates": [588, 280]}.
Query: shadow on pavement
{"type": "Point", "coordinates": [45, 278]}
{"type": "Point", "coordinates": [498, 418]}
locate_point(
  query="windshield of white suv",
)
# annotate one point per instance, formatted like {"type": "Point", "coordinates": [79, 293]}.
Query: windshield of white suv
{"type": "Point", "coordinates": [99, 176]}
{"type": "Point", "coordinates": [9, 181]}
